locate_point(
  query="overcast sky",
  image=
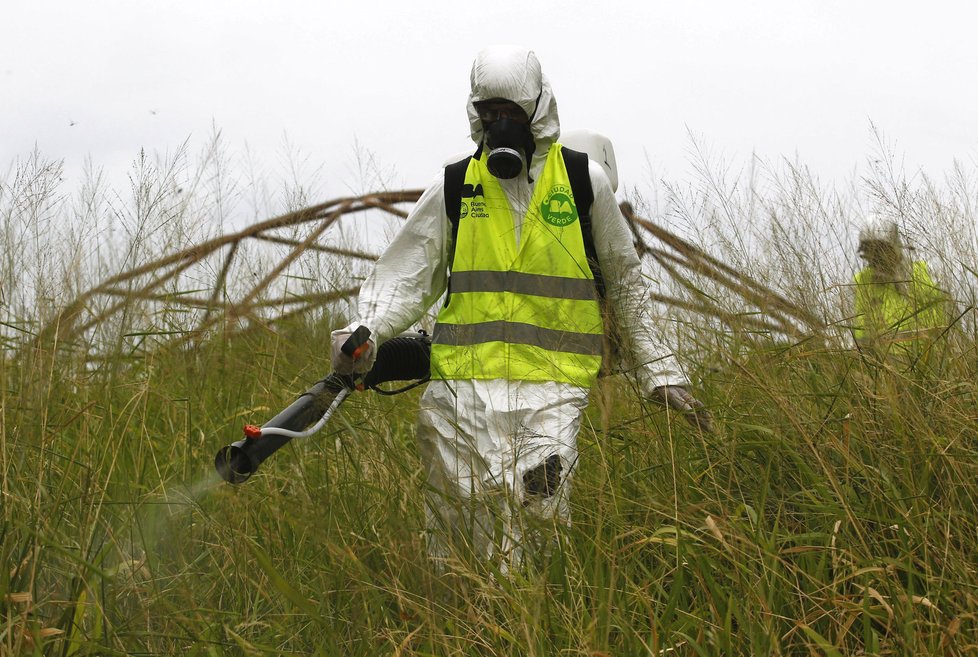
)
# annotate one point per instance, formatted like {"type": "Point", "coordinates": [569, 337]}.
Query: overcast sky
{"type": "Point", "coordinates": [104, 79]}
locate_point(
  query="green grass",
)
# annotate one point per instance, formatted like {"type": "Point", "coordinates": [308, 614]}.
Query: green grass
{"type": "Point", "coordinates": [833, 512]}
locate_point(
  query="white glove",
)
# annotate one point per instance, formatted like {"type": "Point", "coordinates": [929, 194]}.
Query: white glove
{"type": "Point", "coordinates": [678, 399]}
{"type": "Point", "coordinates": [345, 364]}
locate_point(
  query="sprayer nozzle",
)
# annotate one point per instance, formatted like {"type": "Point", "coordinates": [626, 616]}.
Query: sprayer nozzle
{"type": "Point", "coordinates": [233, 464]}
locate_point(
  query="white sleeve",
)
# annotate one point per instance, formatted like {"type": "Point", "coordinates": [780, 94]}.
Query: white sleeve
{"type": "Point", "coordinates": [413, 271]}
{"type": "Point", "coordinates": [627, 291]}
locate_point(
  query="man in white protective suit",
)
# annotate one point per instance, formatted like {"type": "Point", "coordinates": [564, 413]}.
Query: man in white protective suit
{"type": "Point", "coordinates": [519, 340]}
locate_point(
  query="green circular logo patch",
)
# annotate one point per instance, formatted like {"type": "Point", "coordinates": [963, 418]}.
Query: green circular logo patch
{"type": "Point", "coordinates": [558, 207]}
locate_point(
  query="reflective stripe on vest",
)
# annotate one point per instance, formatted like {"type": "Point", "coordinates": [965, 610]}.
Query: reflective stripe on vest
{"type": "Point", "coordinates": [514, 332]}
{"type": "Point", "coordinates": [521, 312]}
{"type": "Point", "coordinates": [515, 281]}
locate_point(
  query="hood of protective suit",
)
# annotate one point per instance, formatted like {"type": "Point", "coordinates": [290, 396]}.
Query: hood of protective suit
{"type": "Point", "coordinates": [877, 228]}
{"type": "Point", "coordinates": [513, 73]}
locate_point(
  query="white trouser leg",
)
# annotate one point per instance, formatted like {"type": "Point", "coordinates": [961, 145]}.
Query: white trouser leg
{"type": "Point", "coordinates": [499, 457]}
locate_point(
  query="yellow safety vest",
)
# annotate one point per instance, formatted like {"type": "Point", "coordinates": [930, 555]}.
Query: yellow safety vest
{"type": "Point", "coordinates": [890, 316]}
{"type": "Point", "coordinates": [526, 312]}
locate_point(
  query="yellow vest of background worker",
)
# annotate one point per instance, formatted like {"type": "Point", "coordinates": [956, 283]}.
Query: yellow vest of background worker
{"type": "Point", "coordinates": [519, 309]}
{"type": "Point", "coordinates": [901, 318]}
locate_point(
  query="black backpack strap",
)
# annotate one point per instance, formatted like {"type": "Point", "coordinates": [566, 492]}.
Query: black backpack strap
{"type": "Point", "coordinates": [576, 164]}
{"type": "Point", "coordinates": [454, 181]}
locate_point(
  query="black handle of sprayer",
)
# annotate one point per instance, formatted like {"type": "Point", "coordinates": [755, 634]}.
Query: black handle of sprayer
{"type": "Point", "coordinates": [356, 343]}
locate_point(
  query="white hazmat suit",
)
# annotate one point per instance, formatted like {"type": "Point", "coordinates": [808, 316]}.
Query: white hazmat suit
{"type": "Point", "coordinates": [483, 441]}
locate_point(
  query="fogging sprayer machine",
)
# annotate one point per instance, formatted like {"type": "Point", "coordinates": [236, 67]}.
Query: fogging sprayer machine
{"type": "Point", "coordinates": [406, 357]}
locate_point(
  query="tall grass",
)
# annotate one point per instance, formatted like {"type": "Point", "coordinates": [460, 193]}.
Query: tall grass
{"type": "Point", "coordinates": [833, 512]}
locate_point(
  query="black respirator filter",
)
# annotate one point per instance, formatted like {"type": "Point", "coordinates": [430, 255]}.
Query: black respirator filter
{"type": "Point", "coordinates": [508, 141]}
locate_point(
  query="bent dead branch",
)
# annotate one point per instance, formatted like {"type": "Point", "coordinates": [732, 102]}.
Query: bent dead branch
{"type": "Point", "coordinates": [709, 288]}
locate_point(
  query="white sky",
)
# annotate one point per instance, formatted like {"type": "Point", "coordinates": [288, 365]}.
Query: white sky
{"type": "Point", "coordinates": [102, 79]}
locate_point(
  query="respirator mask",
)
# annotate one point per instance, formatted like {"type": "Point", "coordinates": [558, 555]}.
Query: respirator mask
{"type": "Point", "coordinates": [510, 143]}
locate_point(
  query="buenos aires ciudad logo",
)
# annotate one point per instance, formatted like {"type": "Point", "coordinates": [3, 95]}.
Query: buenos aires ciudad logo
{"type": "Point", "coordinates": [558, 207]}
